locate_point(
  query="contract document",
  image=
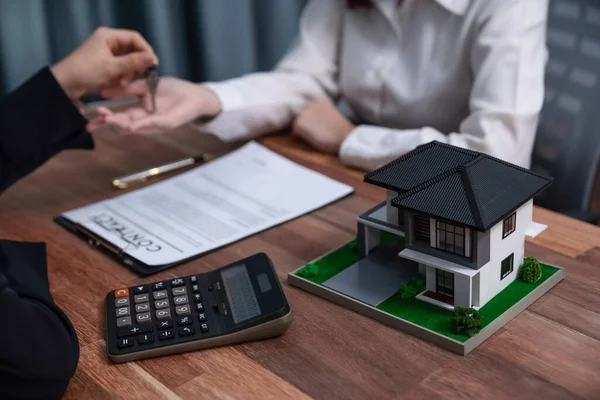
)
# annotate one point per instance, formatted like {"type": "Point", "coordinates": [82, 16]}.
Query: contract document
{"type": "Point", "coordinates": [239, 194]}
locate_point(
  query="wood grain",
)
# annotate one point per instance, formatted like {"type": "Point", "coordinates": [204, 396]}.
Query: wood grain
{"type": "Point", "coordinates": [550, 351]}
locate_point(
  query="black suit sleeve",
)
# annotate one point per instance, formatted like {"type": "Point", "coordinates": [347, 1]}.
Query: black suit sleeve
{"type": "Point", "coordinates": [37, 121]}
{"type": "Point", "coordinates": [39, 350]}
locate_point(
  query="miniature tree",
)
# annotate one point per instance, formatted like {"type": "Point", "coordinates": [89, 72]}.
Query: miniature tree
{"type": "Point", "coordinates": [466, 321]}
{"type": "Point", "coordinates": [308, 271]}
{"type": "Point", "coordinates": [416, 286]}
{"type": "Point", "coordinates": [531, 270]}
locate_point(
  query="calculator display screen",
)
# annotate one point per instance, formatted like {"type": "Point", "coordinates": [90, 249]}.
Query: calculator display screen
{"type": "Point", "coordinates": [240, 294]}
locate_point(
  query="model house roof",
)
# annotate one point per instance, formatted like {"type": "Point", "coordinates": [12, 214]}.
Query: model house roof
{"type": "Point", "coordinates": [465, 187]}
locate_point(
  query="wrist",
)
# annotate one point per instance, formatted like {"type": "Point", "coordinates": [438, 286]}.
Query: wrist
{"type": "Point", "coordinates": [64, 79]}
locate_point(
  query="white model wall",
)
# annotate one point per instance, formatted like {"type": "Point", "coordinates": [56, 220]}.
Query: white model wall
{"type": "Point", "coordinates": [490, 282]}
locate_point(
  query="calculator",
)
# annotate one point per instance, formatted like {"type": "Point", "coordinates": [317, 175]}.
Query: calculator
{"type": "Point", "coordinates": [240, 302]}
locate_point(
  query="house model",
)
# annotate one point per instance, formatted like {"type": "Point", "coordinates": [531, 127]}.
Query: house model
{"type": "Point", "coordinates": [450, 234]}
{"type": "Point", "coordinates": [464, 216]}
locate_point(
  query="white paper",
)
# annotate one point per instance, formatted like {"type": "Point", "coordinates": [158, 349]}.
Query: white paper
{"type": "Point", "coordinates": [242, 193]}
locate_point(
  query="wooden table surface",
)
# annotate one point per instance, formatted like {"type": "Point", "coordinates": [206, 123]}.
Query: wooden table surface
{"type": "Point", "coordinates": [552, 350]}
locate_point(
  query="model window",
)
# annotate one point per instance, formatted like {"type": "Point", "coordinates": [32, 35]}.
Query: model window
{"type": "Point", "coordinates": [445, 283]}
{"type": "Point", "coordinates": [507, 266]}
{"type": "Point", "coordinates": [451, 238]}
{"type": "Point", "coordinates": [509, 225]}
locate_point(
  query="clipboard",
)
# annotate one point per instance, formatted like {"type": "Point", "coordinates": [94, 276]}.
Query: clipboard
{"type": "Point", "coordinates": [115, 252]}
{"type": "Point", "coordinates": [172, 220]}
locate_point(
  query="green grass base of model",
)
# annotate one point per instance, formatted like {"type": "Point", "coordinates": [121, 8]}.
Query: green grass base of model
{"type": "Point", "coordinates": [416, 311]}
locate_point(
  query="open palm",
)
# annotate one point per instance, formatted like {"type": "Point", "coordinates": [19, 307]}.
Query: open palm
{"type": "Point", "coordinates": [178, 102]}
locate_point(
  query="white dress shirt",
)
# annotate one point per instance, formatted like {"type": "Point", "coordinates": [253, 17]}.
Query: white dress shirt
{"type": "Point", "coordinates": [465, 72]}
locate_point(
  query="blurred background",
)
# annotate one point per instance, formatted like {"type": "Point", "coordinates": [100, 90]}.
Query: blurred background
{"type": "Point", "coordinates": [211, 40]}
{"type": "Point", "coordinates": [195, 39]}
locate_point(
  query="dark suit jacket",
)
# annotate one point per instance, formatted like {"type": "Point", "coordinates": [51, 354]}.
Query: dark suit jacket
{"type": "Point", "coordinates": [38, 345]}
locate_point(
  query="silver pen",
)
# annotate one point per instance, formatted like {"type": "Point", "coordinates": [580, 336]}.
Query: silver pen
{"type": "Point", "coordinates": [126, 181]}
{"type": "Point", "coordinates": [152, 79]}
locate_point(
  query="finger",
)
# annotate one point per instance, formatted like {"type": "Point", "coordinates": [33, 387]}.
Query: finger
{"type": "Point", "coordinates": [137, 88]}
{"type": "Point", "coordinates": [95, 123]}
{"type": "Point", "coordinates": [103, 111]}
{"type": "Point", "coordinates": [126, 41]}
{"type": "Point", "coordinates": [122, 66]}
{"type": "Point", "coordinates": [120, 120]}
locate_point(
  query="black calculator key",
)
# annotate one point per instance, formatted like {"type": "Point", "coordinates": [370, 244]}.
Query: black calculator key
{"type": "Point", "coordinates": [181, 321]}
{"type": "Point", "coordinates": [166, 334]}
{"type": "Point", "coordinates": [210, 288]}
{"type": "Point", "coordinates": [199, 307]}
{"type": "Point", "coordinates": [159, 286]}
{"type": "Point", "coordinates": [197, 297]}
{"type": "Point", "coordinates": [193, 279]}
{"type": "Point", "coordinates": [177, 282]}
{"type": "Point", "coordinates": [202, 317]}
{"type": "Point", "coordinates": [204, 327]}
{"type": "Point", "coordinates": [125, 342]}
{"type": "Point", "coordinates": [121, 302]}
{"type": "Point", "coordinates": [140, 289]}
{"type": "Point", "coordinates": [141, 298]}
{"type": "Point", "coordinates": [186, 331]}
{"type": "Point", "coordinates": [215, 306]}
{"type": "Point", "coordinates": [146, 338]}
{"type": "Point", "coordinates": [165, 324]}
{"type": "Point", "coordinates": [195, 288]}
{"type": "Point", "coordinates": [133, 330]}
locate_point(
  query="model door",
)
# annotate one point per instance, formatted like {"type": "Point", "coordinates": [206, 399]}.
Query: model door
{"type": "Point", "coordinates": [445, 283]}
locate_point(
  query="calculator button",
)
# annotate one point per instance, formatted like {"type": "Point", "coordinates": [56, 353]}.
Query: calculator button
{"type": "Point", "coordinates": [204, 327]}
{"type": "Point", "coordinates": [140, 289]}
{"type": "Point", "coordinates": [161, 304]}
{"type": "Point", "coordinates": [210, 288]}
{"type": "Point", "coordinates": [141, 298]}
{"type": "Point", "coordinates": [178, 291]}
{"type": "Point", "coordinates": [125, 342]}
{"type": "Point", "coordinates": [161, 294]}
{"type": "Point", "coordinates": [188, 330]}
{"type": "Point", "coordinates": [122, 302]}
{"type": "Point", "coordinates": [143, 317]}
{"type": "Point", "coordinates": [121, 293]}
{"type": "Point", "coordinates": [167, 323]}
{"type": "Point", "coordinates": [194, 279]}
{"type": "Point", "coordinates": [140, 308]}
{"type": "Point", "coordinates": [201, 317]}
{"type": "Point", "coordinates": [122, 312]}
{"type": "Point", "coordinates": [195, 288]}
{"type": "Point", "coordinates": [197, 297]}
{"type": "Point", "coordinates": [167, 334]}
{"type": "Point", "coordinates": [134, 330]}
{"type": "Point", "coordinates": [181, 321]}
{"type": "Point", "coordinates": [177, 282]}
{"type": "Point", "coordinates": [146, 338]}
{"type": "Point", "coordinates": [199, 307]}
{"type": "Point", "coordinates": [123, 321]}
{"type": "Point", "coordinates": [180, 300]}
{"type": "Point", "coordinates": [159, 286]}
{"type": "Point", "coordinates": [215, 306]}
{"type": "Point", "coordinates": [163, 313]}
{"type": "Point", "coordinates": [182, 310]}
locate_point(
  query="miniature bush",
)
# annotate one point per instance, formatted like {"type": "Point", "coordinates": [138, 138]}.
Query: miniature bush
{"type": "Point", "coordinates": [531, 270]}
{"type": "Point", "coordinates": [466, 321]}
{"type": "Point", "coordinates": [410, 290]}
{"type": "Point", "coordinates": [308, 271]}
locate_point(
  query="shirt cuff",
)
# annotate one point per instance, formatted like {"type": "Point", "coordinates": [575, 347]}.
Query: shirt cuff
{"type": "Point", "coordinates": [230, 97]}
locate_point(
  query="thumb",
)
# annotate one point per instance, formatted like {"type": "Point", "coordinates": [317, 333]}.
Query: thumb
{"type": "Point", "coordinates": [133, 62]}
